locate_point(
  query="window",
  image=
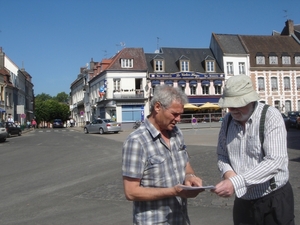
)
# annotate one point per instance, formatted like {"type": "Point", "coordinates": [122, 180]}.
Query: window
{"type": "Point", "coordinates": [218, 89]}
{"type": "Point", "coordinates": [260, 60]}
{"type": "Point", "coordinates": [229, 68]}
{"type": "Point", "coordinates": [287, 85]}
{"type": "Point", "coordinates": [273, 60]}
{"type": "Point", "coordinates": [287, 106]}
{"type": "Point", "coordinates": [184, 65]}
{"type": "Point", "coordinates": [286, 60]}
{"type": "Point", "coordinates": [127, 63]}
{"type": "Point", "coordinates": [298, 83]}
{"type": "Point", "coordinates": [210, 66]}
{"type": "Point", "coordinates": [298, 105]}
{"type": "Point", "coordinates": [159, 65]}
{"type": "Point", "coordinates": [205, 87]}
{"type": "Point", "coordinates": [182, 85]}
{"type": "Point", "coordinates": [242, 68]}
{"type": "Point", "coordinates": [261, 84]}
{"type": "Point", "coordinates": [193, 87]}
{"type": "Point", "coordinates": [274, 83]}
{"type": "Point", "coordinates": [277, 104]}
{"type": "Point", "coordinates": [297, 60]}
{"type": "Point", "coordinates": [117, 85]}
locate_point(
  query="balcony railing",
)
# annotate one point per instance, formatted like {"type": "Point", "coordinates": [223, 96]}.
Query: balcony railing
{"type": "Point", "coordinates": [134, 94]}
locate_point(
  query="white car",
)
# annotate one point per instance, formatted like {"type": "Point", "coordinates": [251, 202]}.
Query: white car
{"type": "Point", "coordinates": [3, 133]}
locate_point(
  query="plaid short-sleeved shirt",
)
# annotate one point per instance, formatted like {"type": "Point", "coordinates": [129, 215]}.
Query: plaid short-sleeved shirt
{"type": "Point", "coordinates": [146, 156]}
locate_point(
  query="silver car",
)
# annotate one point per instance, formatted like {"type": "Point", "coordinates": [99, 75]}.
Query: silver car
{"type": "Point", "coordinates": [3, 133]}
{"type": "Point", "coordinates": [102, 126]}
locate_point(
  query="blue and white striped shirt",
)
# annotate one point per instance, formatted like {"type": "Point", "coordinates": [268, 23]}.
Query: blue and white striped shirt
{"type": "Point", "coordinates": [241, 152]}
{"type": "Point", "coordinates": [147, 157]}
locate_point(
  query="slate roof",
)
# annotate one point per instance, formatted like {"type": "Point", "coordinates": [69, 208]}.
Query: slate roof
{"type": "Point", "coordinates": [230, 43]}
{"type": "Point", "coordinates": [171, 56]}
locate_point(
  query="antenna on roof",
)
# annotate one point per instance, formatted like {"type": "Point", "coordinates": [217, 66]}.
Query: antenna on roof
{"type": "Point", "coordinates": [105, 53]}
{"type": "Point", "coordinates": [157, 43]}
{"type": "Point", "coordinates": [286, 14]}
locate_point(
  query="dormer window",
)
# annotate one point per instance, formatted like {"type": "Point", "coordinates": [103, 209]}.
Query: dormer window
{"type": "Point", "coordinates": [260, 60]}
{"type": "Point", "coordinates": [210, 65]}
{"type": "Point", "coordinates": [127, 63]}
{"type": "Point", "coordinates": [297, 58]}
{"type": "Point", "coordinates": [159, 65]}
{"type": "Point", "coordinates": [184, 65]}
{"type": "Point", "coordinates": [273, 59]}
{"type": "Point", "coordinates": [286, 59]}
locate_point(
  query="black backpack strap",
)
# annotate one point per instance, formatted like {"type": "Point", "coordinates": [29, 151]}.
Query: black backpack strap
{"type": "Point", "coordinates": [262, 137]}
{"type": "Point", "coordinates": [262, 124]}
{"type": "Point", "coordinates": [228, 122]}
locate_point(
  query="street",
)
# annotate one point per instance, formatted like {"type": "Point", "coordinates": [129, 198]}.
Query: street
{"type": "Point", "coordinates": [63, 176]}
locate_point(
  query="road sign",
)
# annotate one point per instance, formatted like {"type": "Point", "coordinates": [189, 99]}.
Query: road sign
{"type": "Point", "coordinates": [23, 116]}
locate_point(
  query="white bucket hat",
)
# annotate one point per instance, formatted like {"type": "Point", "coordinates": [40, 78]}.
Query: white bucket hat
{"type": "Point", "coordinates": [238, 92]}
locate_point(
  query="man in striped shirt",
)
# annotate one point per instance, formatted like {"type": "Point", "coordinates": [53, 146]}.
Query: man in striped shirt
{"type": "Point", "coordinates": [255, 171]}
{"type": "Point", "coordinates": [155, 163]}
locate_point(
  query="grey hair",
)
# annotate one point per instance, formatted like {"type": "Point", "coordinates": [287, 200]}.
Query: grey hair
{"type": "Point", "coordinates": [166, 95]}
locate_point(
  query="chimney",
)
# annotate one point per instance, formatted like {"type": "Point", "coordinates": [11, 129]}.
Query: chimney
{"type": "Point", "coordinates": [290, 26]}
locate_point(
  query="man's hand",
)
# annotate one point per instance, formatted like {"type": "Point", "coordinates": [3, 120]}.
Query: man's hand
{"type": "Point", "coordinates": [192, 180]}
{"type": "Point", "coordinates": [187, 193]}
{"type": "Point", "coordinates": [224, 188]}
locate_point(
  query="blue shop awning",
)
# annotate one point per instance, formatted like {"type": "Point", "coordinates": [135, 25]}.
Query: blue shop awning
{"type": "Point", "coordinates": [155, 82]}
{"type": "Point", "coordinates": [181, 83]}
{"type": "Point", "coordinates": [193, 83]}
{"type": "Point", "coordinates": [169, 82]}
{"type": "Point", "coordinates": [218, 82]}
{"type": "Point", "coordinates": [203, 100]}
{"type": "Point", "coordinates": [205, 83]}
{"type": "Point", "coordinates": [2, 110]}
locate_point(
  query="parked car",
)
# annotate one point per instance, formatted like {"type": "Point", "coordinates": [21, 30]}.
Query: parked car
{"type": "Point", "coordinates": [298, 122]}
{"type": "Point", "coordinates": [286, 121]}
{"type": "Point", "coordinates": [293, 115]}
{"type": "Point", "coordinates": [12, 129]}
{"type": "Point", "coordinates": [102, 126]}
{"type": "Point", "coordinates": [57, 123]}
{"type": "Point", "coordinates": [3, 133]}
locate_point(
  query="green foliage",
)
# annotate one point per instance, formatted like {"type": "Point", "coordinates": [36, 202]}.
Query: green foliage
{"type": "Point", "coordinates": [48, 108]}
{"type": "Point", "coordinates": [62, 97]}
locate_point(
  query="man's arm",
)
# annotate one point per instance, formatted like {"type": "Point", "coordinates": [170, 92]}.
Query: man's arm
{"type": "Point", "coordinates": [135, 192]}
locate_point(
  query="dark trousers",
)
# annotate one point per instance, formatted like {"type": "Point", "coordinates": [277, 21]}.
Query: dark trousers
{"type": "Point", "coordinates": [274, 208]}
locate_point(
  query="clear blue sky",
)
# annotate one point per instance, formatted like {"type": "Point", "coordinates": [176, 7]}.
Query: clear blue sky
{"type": "Point", "coordinates": [54, 38]}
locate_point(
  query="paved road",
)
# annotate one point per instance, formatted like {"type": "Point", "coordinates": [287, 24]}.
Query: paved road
{"type": "Point", "coordinates": [62, 176]}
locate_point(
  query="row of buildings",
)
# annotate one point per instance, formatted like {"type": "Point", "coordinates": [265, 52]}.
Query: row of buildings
{"type": "Point", "coordinates": [16, 91]}
{"type": "Point", "coordinates": [121, 87]}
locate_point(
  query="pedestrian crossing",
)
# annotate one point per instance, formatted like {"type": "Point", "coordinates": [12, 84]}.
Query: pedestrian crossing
{"type": "Point", "coordinates": [54, 130]}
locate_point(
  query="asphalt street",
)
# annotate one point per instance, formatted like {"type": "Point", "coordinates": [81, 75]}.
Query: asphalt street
{"type": "Point", "coordinates": [62, 176]}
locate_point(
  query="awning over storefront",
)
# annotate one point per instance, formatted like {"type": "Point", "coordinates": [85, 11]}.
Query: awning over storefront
{"type": "Point", "coordinates": [2, 110]}
{"type": "Point", "coordinates": [203, 100]}
{"type": "Point", "coordinates": [169, 82]}
{"type": "Point", "coordinates": [205, 83]}
{"type": "Point", "coordinates": [218, 82]}
{"type": "Point", "coordinates": [181, 83]}
{"type": "Point", "coordinates": [155, 82]}
{"type": "Point", "coordinates": [193, 83]}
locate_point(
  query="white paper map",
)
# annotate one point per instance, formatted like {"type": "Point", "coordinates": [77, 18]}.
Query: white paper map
{"type": "Point", "coordinates": [196, 188]}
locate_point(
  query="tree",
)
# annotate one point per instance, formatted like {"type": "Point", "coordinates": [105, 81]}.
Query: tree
{"type": "Point", "coordinates": [62, 97]}
{"type": "Point", "coordinates": [43, 97]}
{"type": "Point", "coordinates": [48, 108]}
